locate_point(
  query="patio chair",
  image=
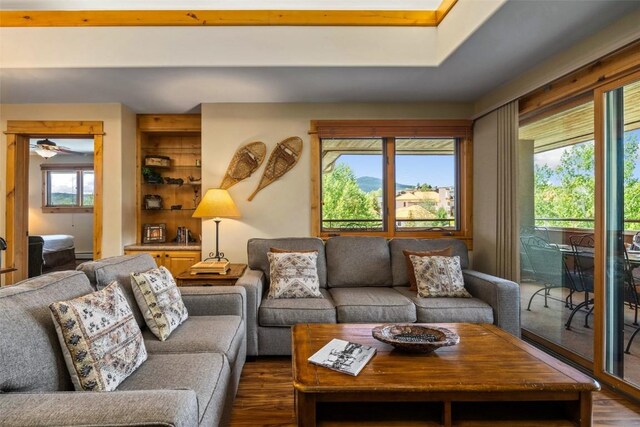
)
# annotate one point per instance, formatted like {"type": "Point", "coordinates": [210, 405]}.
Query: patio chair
{"type": "Point", "coordinates": [631, 296]}
{"type": "Point", "coordinates": [583, 247]}
{"type": "Point", "coordinates": [548, 266]}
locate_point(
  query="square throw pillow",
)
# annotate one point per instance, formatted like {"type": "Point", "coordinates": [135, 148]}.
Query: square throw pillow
{"type": "Point", "coordinates": [159, 300]}
{"type": "Point", "coordinates": [439, 276]}
{"type": "Point", "coordinates": [101, 341]}
{"type": "Point", "coordinates": [293, 275]}
{"type": "Point", "coordinates": [411, 275]}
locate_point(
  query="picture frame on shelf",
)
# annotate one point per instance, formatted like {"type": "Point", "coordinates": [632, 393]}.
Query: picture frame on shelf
{"type": "Point", "coordinates": [157, 161]}
{"type": "Point", "coordinates": [154, 233]}
{"type": "Point", "coordinates": [152, 201]}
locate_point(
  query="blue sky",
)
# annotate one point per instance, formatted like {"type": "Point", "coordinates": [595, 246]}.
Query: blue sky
{"type": "Point", "coordinates": [434, 170]}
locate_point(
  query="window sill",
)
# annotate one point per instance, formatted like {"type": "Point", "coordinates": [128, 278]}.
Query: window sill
{"type": "Point", "coordinates": [64, 209]}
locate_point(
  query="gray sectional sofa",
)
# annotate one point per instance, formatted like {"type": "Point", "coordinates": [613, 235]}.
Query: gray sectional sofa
{"type": "Point", "coordinates": [188, 380]}
{"type": "Point", "coordinates": [364, 280]}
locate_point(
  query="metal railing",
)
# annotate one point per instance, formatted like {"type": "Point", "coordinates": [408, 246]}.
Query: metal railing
{"type": "Point", "coordinates": [579, 223]}
{"type": "Point", "coordinates": [377, 224]}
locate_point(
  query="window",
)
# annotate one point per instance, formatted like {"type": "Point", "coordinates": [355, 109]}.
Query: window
{"type": "Point", "coordinates": [392, 178]}
{"type": "Point", "coordinates": [67, 188]}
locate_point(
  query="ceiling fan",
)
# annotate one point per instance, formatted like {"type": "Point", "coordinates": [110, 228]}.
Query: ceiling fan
{"type": "Point", "coordinates": [47, 148]}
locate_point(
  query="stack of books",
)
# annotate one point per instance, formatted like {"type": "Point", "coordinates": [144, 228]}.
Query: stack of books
{"type": "Point", "coordinates": [209, 267]}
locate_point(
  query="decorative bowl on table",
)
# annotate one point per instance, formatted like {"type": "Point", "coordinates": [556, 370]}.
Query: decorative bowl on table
{"type": "Point", "coordinates": [415, 338]}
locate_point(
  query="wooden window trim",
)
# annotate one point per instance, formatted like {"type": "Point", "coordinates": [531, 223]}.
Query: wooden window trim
{"type": "Point", "coordinates": [78, 169]}
{"type": "Point", "coordinates": [459, 129]}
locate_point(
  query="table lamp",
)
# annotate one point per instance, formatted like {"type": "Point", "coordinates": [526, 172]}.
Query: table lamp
{"type": "Point", "coordinates": [216, 204]}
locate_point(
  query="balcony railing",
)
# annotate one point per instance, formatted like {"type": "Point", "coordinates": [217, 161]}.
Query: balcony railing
{"type": "Point", "coordinates": [588, 223]}
{"type": "Point", "coordinates": [377, 224]}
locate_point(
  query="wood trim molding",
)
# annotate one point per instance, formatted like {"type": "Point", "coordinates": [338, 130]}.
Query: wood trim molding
{"type": "Point", "coordinates": [18, 133]}
{"type": "Point", "coordinates": [170, 123]}
{"type": "Point", "coordinates": [54, 128]}
{"type": "Point", "coordinates": [66, 166]}
{"type": "Point", "coordinates": [142, 18]}
{"type": "Point", "coordinates": [611, 67]}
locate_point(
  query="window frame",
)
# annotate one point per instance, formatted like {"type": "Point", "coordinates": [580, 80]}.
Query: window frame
{"type": "Point", "coordinates": [79, 170]}
{"type": "Point", "coordinates": [388, 130]}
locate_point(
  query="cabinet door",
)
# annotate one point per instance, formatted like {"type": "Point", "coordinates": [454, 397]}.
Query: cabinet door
{"type": "Point", "coordinates": [158, 256]}
{"type": "Point", "coordinates": [179, 261]}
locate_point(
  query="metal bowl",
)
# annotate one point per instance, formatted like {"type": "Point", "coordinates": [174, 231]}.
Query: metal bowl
{"type": "Point", "coordinates": [415, 338]}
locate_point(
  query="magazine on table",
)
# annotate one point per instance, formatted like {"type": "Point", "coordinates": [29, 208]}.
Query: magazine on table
{"type": "Point", "coordinates": [343, 356]}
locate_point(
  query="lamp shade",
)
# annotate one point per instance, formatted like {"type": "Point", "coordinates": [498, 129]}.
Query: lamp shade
{"type": "Point", "coordinates": [216, 203]}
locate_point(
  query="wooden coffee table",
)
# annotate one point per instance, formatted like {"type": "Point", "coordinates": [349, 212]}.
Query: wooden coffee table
{"type": "Point", "coordinates": [489, 366]}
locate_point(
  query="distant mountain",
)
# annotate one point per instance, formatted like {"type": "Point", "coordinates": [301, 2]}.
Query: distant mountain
{"type": "Point", "coordinates": [369, 183]}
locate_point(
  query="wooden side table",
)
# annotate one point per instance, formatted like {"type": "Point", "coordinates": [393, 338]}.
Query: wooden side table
{"type": "Point", "coordinates": [209, 279]}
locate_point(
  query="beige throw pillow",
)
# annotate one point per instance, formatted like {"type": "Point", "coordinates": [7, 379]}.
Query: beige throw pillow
{"type": "Point", "coordinates": [101, 341]}
{"type": "Point", "coordinates": [159, 300]}
{"type": "Point", "coordinates": [293, 275]}
{"type": "Point", "coordinates": [439, 276]}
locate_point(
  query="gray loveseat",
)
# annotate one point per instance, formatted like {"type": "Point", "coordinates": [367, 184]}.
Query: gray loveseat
{"type": "Point", "coordinates": [364, 280]}
{"type": "Point", "coordinates": [188, 380]}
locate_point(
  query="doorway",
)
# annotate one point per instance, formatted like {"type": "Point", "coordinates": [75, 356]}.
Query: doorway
{"type": "Point", "coordinates": [19, 136]}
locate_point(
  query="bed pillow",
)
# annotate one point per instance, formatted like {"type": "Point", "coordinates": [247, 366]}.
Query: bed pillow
{"type": "Point", "coordinates": [411, 275]}
{"type": "Point", "coordinates": [293, 275]}
{"type": "Point", "coordinates": [159, 300]}
{"type": "Point", "coordinates": [439, 276]}
{"type": "Point", "coordinates": [101, 340]}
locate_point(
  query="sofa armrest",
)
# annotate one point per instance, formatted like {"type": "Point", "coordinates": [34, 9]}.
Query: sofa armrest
{"type": "Point", "coordinates": [253, 282]}
{"type": "Point", "coordinates": [501, 294]}
{"type": "Point", "coordinates": [215, 300]}
{"type": "Point", "coordinates": [177, 408]}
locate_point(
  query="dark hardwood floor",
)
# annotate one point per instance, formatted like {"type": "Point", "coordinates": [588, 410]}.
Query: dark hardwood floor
{"type": "Point", "coordinates": [265, 398]}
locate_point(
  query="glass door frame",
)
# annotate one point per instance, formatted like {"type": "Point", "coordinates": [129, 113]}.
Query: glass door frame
{"type": "Point", "coordinates": [599, 358]}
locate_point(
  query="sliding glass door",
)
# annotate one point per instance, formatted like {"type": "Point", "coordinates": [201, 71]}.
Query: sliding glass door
{"type": "Point", "coordinates": [618, 221]}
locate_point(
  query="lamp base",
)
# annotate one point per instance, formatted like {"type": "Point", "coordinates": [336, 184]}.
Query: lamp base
{"type": "Point", "coordinates": [217, 255]}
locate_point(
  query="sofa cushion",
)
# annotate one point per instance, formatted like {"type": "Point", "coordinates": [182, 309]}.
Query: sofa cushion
{"type": "Point", "coordinates": [101, 341]}
{"type": "Point", "coordinates": [119, 268]}
{"type": "Point", "coordinates": [398, 260]}
{"type": "Point", "coordinates": [257, 250]}
{"type": "Point", "coordinates": [202, 334]}
{"type": "Point", "coordinates": [358, 261]}
{"type": "Point", "coordinates": [207, 374]}
{"type": "Point", "coordinates": [31, 356]}
{"type": "Point", "coordinates": [449, 310]}
{"type": "Point", "coordinates": [293, 275]}
{"type": "Point", "coordinates": [288, 312]}
{"type": "Point", "coordinates": [159, 300]}
{"type": "Point", "coordinates": [372, 305]}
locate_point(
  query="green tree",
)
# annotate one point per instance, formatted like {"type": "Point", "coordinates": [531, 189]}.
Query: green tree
{"type": "Point", "coordinates": [568, 190]}
{"type": "Point", "coordinates": [342, 198]}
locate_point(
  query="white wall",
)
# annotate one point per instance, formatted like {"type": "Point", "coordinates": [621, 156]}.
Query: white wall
{"type": "Point", "coordinates": [283, 208]}
{"type": "Point", "coordinates": [79, 225]}
{"type": "Point", "coordinates": [118, 143]}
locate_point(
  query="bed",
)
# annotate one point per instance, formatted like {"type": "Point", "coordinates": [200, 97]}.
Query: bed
{"type": "Point", "coordinates": [58, 252]}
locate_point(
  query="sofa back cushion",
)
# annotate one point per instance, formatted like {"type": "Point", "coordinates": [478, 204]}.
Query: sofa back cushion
{"type": "Point", "coordinates": [119, 268]}
{"type": "Point", "coordinates": [358, 261]}
{"type": "Point", "coordinates": [399, 262]}
{"type": "Point", "coordinates": [32, 359]}
{"type": "Point", "coordinates": [257, 250]}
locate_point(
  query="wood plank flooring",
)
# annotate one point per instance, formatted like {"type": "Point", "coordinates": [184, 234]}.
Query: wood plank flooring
{"type": "Point", "coordinates": [265, 398]}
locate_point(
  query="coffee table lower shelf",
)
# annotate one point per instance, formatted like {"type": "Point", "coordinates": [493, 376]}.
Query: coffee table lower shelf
{"type": "Point", "coordinates": [490, 375]}
{"type": "Point", "coordinates": [448, 409]}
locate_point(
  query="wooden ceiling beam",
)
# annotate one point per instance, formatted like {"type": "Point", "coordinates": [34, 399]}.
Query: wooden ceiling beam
{"type": "Point", "coordinates": [142, 18]}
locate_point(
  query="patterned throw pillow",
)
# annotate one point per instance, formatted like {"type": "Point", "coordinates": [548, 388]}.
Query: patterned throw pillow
{"type": "Point", "coordinates": [101, 341]}
{"type": "Point", "coordinates": [411, 275]}
{"type": "Point", "coordinates": [159, 300]}
{"type": "Point", "coordinates": [293, 275]}
{"type": "Point", "coordinates": [439, 276]}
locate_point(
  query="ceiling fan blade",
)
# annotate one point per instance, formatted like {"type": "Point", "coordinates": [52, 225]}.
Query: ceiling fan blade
{"type": "Point", "coordinates": [65, 150]}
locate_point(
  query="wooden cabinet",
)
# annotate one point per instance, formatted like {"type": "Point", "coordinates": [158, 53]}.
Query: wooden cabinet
{"type": "Point", "coordinates": [176, 261]}
{"type": "Point", "coordinates": [168, 170]}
